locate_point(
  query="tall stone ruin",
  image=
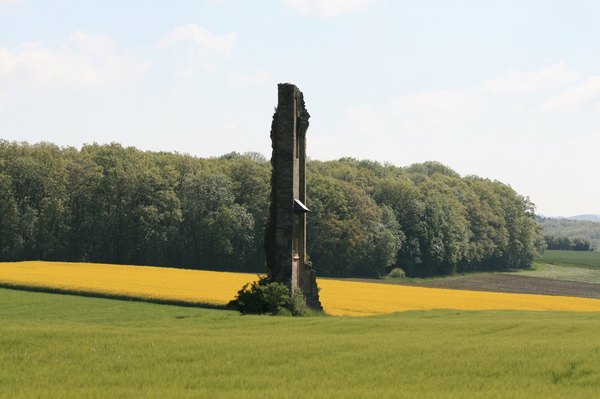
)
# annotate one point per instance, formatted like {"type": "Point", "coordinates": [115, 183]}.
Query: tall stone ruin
{"type": "Point", "coordinates": [285, 234]}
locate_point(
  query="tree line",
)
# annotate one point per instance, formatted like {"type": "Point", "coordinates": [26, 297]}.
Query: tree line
{"type": "Point", "coordinates": [108, 203]}
{"type": "Point", "coordinates": [567, 244]}
{"type": "Point", "coordinates": [571, 229]}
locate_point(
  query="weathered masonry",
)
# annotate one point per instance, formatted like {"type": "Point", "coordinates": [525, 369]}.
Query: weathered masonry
{"type": "Point", "coordinates": [285, 234]}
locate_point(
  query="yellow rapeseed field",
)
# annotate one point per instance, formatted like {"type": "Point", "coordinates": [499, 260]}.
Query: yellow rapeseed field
{"type": "Point", "coordinates": [194, 286]}
{"type": "Point", "coordinates": [358, 298]}
{"type": "Point", "coordinates": [218, 288]}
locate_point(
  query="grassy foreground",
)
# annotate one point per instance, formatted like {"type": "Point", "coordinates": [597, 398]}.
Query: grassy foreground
{"type": "Point", "coordinates": [217, 288]}
{"type": "Point", "coordinates": [588, 259]}
{"type": "Point", "coordinates": [59, 346]}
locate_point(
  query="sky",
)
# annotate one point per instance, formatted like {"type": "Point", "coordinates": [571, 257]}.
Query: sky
{"type": "Point", "coordinates": [506, 90]}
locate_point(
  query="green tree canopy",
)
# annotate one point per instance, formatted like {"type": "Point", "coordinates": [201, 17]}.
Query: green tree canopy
{"type": "Point", "coordinates": [108, 203]}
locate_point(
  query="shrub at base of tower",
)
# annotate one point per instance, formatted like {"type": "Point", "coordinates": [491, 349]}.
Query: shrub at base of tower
{"type": "Point", "coordinates": [396, 273]}
{"type": "Point", "coordinates": [298, 305]}
{"type": "Point", "coordinates": [268, 297]}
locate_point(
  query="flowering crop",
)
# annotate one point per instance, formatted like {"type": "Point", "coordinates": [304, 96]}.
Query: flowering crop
{"type": "Point", "coordinates": [217, 288]}
{"type": "Point", "coordinates": [360, 298]}
{"type": "Point", "coordinates": [145, 282]}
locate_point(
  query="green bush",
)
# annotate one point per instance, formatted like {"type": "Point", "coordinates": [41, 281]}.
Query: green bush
{"type": "Point", "coordinates": [276, 297]}
{"type": "Point", "coordinates": [298, 305]}
{"type": "Point", "coordinates": [267, 297]}
{"type": "Point", "coordinates": [397, 273]}
{"type": "Point", "coordinates": [262, 296]}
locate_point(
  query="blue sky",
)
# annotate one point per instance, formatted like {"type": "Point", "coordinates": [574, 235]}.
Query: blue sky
{"type": "Point", "coordinates": [508, 90]}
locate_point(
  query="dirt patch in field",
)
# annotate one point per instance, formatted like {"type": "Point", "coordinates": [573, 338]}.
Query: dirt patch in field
{"type": "Point", "coordinates": [510, 283]}
{"type": "Point", "coordinates": [517, 284]}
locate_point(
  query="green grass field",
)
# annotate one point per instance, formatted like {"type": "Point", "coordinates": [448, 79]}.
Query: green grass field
{"type": "Point", "coordinates": [588, 259]}
{"type": "Point", "coordinates": [59, 346]}
{"type": "Point", "coordinates": [563, 272]}
{"type": "Point", "coordinates": [580, 266]}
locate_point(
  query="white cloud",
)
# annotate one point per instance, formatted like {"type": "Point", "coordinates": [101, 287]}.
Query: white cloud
{"type": "Point", "coordinates": [196, 49]}
{"type": "Point", "coordinates": [581, 96]}
{"type": "Point", "coordinates": [516, 81]}
{"type": "Point", "coordinates": [437, 102]}
{"type": "Point", "coordinates": [327, 8]}
{"type": "Point", "coordinates": [587, 142]}
{"type": "Point", "coordinates": [185, 73]}
{"type": "Point", "coordinates": [551, 88]}
{"type": "Point", "coordinates": [81, 61]}
{"type": "Point", "coordinates": [243, 81]}
{"type": "Point", "coordinates": [421, 114]}
{"type": "Point", "coordinates": [510, 107]}
{"type": "Point", "coordinates": [4, 3]}
{"type": "Point", "coordinates": [202, 38]}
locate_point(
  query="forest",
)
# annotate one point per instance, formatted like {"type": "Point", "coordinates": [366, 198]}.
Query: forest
{"type": "Point", "coordinates": [121, 205]}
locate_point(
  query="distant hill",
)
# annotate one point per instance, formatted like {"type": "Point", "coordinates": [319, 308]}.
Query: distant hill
{"type": "Point", "coordinates": [563, 227]}
{"type": "Point", "coordinates": [589, 218]}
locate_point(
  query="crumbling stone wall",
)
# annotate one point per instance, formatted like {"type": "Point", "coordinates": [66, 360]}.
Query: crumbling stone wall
{"type": "Point", "coordinates": [285, 233]}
